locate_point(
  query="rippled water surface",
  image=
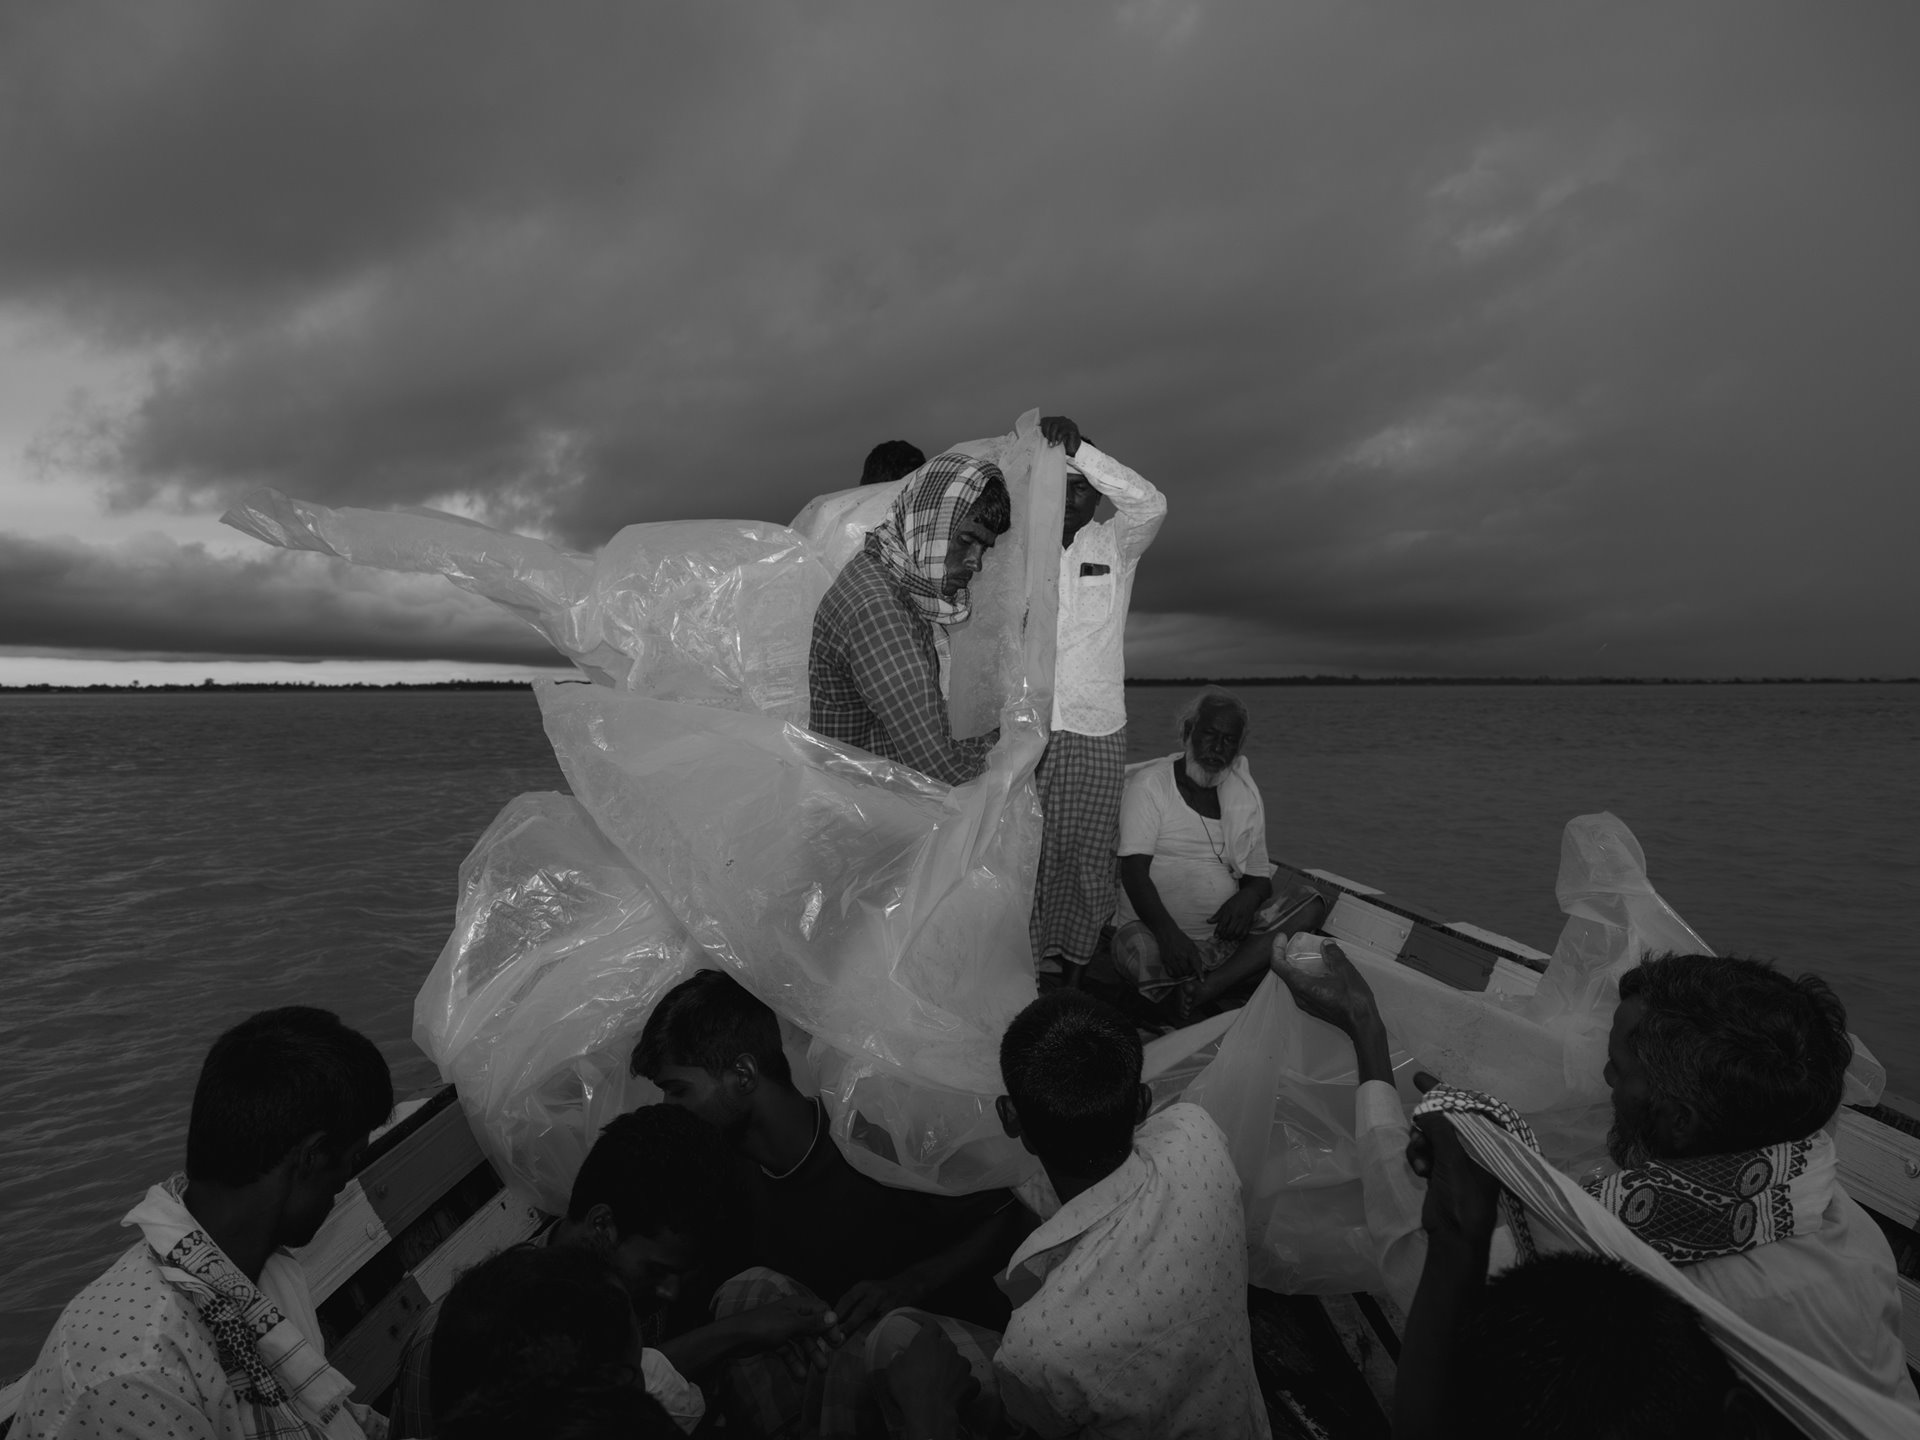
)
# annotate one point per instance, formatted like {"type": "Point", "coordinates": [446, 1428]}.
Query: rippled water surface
{"type": "Point", "coordinates": [170, 863]}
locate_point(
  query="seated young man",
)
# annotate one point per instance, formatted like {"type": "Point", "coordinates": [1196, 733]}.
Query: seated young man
{"type": "Point", "coordinates": [536, 1340]}
{"type": "Point", "coordinates": [1196, 906]}
{"type": "Point", "coordinates": [1723, 1073]}
{"type": "Point", "coordinates": [651, 1202]}
{"type": "Point", "coordinates": [1572, 1344]}
{"type": "Point", "coordinates": [867, 1248]}
{"type": "Point", "coordinates": [1131, 1299]}
{"type": "Point", "coordinates": [206, 1327]}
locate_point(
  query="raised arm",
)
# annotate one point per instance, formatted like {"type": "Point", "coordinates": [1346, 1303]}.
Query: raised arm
{"type": "Point", "coordinates": [1391, 1199]}
{"type": "Point", "coordinates": [1139, 506]}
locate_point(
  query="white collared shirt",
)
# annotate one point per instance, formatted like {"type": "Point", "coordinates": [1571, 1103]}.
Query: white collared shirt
{"type": "Point", "coordinates": [131, 1357]}
{"type": "Point", "coordinates": [1090, 668]}
{"type": "Point", "coordinates": [1132, 1299]}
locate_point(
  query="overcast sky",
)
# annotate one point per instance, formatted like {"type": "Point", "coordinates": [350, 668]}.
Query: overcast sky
{"type": "Point", "coordinates": [1464, 339]}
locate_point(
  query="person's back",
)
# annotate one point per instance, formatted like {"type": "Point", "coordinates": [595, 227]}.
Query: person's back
{"type": "Point", "coordinates": [205, 1327]}
{"type": "Point", "coordinates": [1724, 1072]}
{"type": "Point", "coordinates": [1130, 1301]}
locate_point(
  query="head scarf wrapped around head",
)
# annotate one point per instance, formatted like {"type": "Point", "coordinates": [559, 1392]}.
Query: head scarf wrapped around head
{"type": "Point", "coordinates": [912, 541]}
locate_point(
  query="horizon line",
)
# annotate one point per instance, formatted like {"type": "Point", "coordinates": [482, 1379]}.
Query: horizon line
{"type": "Point", "coordinates": [48, 687]}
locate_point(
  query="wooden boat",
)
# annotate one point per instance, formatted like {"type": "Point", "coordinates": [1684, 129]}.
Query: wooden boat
{"type": "Point", "coordinates": [426, 1204]}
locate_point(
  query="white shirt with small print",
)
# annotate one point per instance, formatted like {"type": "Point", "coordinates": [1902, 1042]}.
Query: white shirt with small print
{"type": "Point", "coordinates": [1131, 1316]}
{"type": "Point", "coordinates": [130, 1358]}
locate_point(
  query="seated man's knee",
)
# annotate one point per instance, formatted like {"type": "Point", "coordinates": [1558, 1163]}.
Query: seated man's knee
{"type": "Point", "coordinates": [753, 1287]}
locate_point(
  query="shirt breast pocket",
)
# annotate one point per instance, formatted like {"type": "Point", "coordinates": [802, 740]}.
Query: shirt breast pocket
{"type": "Point", "coordinates": [1092, 600]}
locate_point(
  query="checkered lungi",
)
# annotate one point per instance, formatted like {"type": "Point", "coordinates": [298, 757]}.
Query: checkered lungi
{"type": "Point", "coordinates": [1080, 779]}
{"type": "Point", "coordinates": [763, 1399]}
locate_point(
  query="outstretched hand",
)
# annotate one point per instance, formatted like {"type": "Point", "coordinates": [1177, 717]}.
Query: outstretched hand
{"type": "Point", "coordinates": [1339, 995]}
{"type": "Point", "coordinates": [1059, 430]}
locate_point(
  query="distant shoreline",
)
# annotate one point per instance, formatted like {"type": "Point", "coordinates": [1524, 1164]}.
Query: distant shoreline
{"type": "Point", "coordinates": [1243, 681]}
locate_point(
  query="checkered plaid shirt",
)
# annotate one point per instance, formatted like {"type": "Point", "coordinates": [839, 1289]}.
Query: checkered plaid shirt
{"type": "Point", "coordinates": [875, 677]}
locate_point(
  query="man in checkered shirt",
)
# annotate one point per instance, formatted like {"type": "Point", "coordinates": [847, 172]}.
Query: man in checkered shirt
{"type": "Point", "coordinates": [874, 670]}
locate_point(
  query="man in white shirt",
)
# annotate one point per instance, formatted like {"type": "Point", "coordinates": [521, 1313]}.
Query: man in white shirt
{"type": "Point", "coordinates": [1130, 1311]}
{"type": "Point", "coordinates": [205, 1328]}
{"type": "Point", "coordinates": [1724, 1073]}
{"type": "Point", "coordinates": [1197, 906]}
{"type": "Point", "coordinates": [1081, 775]}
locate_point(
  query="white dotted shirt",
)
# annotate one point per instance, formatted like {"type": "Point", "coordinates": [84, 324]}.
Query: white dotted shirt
{"type": "Point", "coordinates": [131, 1358]}
{"type": "Point", "coordinates": [1132, 1299]}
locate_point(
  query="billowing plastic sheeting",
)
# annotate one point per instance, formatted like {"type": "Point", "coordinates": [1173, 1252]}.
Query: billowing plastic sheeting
{"type": "Point", "coordinates": [880, 910]}
{"type": "Point", "coordinates": [558, 953]}
{"type": "Point", "coordinates": [709, 612]}
{"type": "Point", "coordinates": [1281, 1082]}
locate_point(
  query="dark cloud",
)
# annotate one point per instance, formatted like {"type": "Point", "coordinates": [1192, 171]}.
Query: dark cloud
{"type": "Point", "coordinates": [1501, 337]}
{"type": "Point", "coordinates": [153, 595]}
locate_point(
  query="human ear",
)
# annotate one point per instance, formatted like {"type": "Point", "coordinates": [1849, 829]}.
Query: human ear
{"type": "Point", "coordinates": [1009, 1117]}
{"type": "Point", "coordinates": [743, 1076]}
{"type": "Point", "coordinates": [1677, 1126]}
{"type": "Point", "coordinates": [1143, 1104]}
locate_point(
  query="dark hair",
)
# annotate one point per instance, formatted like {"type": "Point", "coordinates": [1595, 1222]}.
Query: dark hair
{"type": "Point", "coordinates": [992, 507]}
{"type": "Point", "coordinates": [1072, 1069]}
{"type": "Point", "coordinates": [1588, 1347]}
{"type": "Point", "coordinates": [708, 1021]}
{"type": "Point", "coordinates": [531, 1316]}
{"type": "Point", "coordinates": [1759, 1056]}
{"type": "Point", "coordinates": [889, 460]}
{"type": "Point", "coordinates": [1208, 697]}
{"type": "Point", "coordinates": [657, 1168]}
{"type": "Point", "coordinates": [276, 1078]}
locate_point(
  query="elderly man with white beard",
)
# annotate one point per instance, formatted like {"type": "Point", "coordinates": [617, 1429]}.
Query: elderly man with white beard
{"type": "Point", "coordinates": [1195, 917]}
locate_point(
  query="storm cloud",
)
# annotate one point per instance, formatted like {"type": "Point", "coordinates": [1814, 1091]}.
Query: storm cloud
{"type": "Point", "coordinates": [1507, 339]}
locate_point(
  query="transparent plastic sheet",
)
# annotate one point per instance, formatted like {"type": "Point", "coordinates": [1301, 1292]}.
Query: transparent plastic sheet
{"type": "Point", "coordinates": [711, 612]}
{"type": "Point", "coordinates": [883, 912]}
{"type": "Point", "coordinates": [1281, 1089]}
{"type": "Point", "coordinates": [558, 953]}
{"type": "Point", "coordinates": [1280, 1084]}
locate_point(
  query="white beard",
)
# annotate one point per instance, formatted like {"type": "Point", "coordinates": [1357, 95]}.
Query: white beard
{"type": "Point", "coordinates": [1203, 779]}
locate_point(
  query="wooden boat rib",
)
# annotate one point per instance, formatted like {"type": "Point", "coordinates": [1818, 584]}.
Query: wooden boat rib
{"type": "Point", "coordinates": [426, 1204]}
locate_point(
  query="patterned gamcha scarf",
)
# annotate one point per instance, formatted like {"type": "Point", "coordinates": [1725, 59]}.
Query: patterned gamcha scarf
{"type": "Point", "coordinates": [1688, 1210]}
{"type": "Point", "coordinates": [287, 1389]}
{"type": "Point", "coordinates": [912, 541]}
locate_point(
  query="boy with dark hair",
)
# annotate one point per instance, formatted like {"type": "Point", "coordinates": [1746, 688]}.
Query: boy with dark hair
{"type": "Point", "coordinates": [1131, 1315]}
{"type": "Point", "coordinates": [206, 1326]}
{"type": "Point", "coordinates": [714, 1050]}
{"type": "Point", "coordinates": [891, 460]}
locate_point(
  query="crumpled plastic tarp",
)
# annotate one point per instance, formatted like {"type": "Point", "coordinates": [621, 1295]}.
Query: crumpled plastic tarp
{"type": "Point", "coordinates": [879, 911]}
{"type": "Point", "coordinates": [1280, 1083]}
